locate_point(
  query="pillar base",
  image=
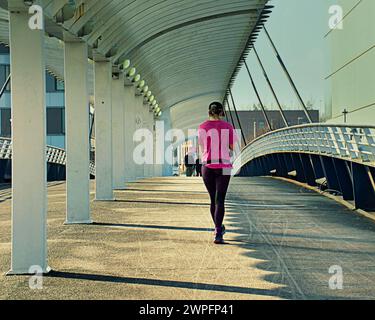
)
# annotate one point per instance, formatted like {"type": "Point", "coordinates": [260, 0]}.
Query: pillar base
{"type": "Point", "coordinates": [67, 223]}
{"type": "Point", "coordinates": [105, 200]}
{"type": "Point", "coordinates": [25, 273]}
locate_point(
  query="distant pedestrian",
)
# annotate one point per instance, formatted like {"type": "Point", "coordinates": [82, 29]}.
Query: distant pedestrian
{"type": "Point", "coordinates": [190, 164]}
{"type": "Point", "coordinates": [216, 138]}
{"type": "Point", "coordinates": [198, 167]}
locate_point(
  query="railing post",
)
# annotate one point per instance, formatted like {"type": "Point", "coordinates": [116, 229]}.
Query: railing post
{"type": "Point", "coordinates": [308, 169]}
{"type": "Point", "coordinates": [330, 173]}
{"type": "Point", "coordinates": [364, 187]}
{"type": "Point", "coordinates": [301, 175]}
{"type": "Point", "coordinates": [345, 179]}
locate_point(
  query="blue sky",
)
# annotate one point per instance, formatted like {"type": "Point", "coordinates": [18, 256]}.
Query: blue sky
{"type": "Point", "coordinates": [297, 28]}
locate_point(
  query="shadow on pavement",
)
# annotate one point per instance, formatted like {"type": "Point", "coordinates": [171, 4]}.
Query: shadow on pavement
{"type": "Point", "coordinates": [142, 226]}
{"type": "Point", "coordinates": [163, 283]}
{"type": "Point", "coordinates": [165, 202]}
{"type": "Point", "coordinates": [299, 246]}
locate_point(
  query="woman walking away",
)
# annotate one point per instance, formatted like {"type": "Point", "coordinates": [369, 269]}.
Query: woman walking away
{"type": "Point", "coordinates": [217, 138]}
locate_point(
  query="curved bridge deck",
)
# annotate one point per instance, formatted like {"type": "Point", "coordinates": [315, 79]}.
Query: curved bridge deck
{"type": "Point", "coordinates": [155, 242]}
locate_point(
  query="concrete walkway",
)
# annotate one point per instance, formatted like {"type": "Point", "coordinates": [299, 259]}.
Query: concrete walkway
{"type": "Point", "coordinates": [155, 242]}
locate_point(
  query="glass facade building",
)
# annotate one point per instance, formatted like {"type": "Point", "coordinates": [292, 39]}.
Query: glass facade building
{"type": "Point", "coordinates": [55, 104]}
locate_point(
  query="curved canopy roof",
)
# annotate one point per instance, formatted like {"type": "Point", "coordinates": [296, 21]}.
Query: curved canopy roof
{"type": "Point", "coordinates": [187, 51]}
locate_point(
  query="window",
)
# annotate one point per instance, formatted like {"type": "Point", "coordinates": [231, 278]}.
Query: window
{"type": "Point", "coordinates": [53, 85]}
{"type": "Point", "coordinates": [55, 121]}
{"type": "Point", "coordinates": [59, 85]}
{"type": "Point", "coordinates": [4, 73]}
{"type": "Point", "coordinates": [7, 73]}
{"type": "Point", "coordinates": [50, 83]}
{"type": "Point", "coordinates": [5, 122]}
{"type": "Point", "coordinates": [92, 125]}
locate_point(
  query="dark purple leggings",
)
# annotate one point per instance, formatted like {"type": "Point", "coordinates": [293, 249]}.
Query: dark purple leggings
{"type": "Point", "coordinates": [217, 186]}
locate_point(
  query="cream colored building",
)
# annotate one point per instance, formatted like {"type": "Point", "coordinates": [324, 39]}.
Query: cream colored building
{"type": "Point", "coordinates": [351, 80]}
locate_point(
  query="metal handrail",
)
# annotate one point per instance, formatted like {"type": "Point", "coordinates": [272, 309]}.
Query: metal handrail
{"type": "Point", "coordinates": [353, 143]}
{"type": "Point", "coordinates": [54, 155]}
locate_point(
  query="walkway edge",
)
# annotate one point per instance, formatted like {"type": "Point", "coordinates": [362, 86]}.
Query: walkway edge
{"type": "Point", "coordinates": [338, 199]}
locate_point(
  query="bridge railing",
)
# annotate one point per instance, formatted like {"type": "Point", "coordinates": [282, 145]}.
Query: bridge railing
{"type": "Point", "coordinates": [355, 143]}
{"type": "Point", "coordinates": [5, 148]}
{"type": "Point", "coordinates": [54, 155]}
{"type": "Point", "coordinates": [341, 156]}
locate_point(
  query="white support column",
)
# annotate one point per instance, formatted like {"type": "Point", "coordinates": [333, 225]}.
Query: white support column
{"type": "Point", "coordinates": [146, 126]}
{"type": "Point", "coordinates": [29, 194]}
{"type": "Point", "coordinates": [155, 166]}
{"type": "Point", "coordinates": [77, 134]}
{"type": "Point", "coordinates": [167, 169]}
{"type": "Point", "coordinates": [159, 150]}
{"type": "Point", "coordinates": [129, 120]}
{"type": "Point", "coordinates": [103, 130]}
{"type": "Point", "coordinates": [139, 111]}
{"type": "Point", "coordinates": [150, 118]}
{"type": "Point", "coordinates": [118, 133]}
